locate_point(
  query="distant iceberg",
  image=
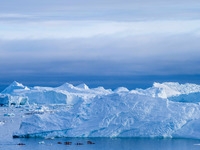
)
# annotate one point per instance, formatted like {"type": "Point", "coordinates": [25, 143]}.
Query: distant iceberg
{"type": "Point", "coordinates": [164, 110]}
{"type": "Point", "coordinates": [64, 94]}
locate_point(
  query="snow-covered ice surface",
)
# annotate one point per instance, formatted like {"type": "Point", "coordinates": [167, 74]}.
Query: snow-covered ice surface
{"type": "Point", "coordinates": [168, 110]}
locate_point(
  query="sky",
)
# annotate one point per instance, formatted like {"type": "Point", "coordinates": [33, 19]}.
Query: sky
{"type": "Point", "coordinates": [99, 38]}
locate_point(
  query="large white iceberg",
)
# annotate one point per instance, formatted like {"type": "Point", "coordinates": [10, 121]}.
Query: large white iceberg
{"type": "Point", "coordinates": [163, 110]}
{"type": "Point", "coordinates": [115, 115]}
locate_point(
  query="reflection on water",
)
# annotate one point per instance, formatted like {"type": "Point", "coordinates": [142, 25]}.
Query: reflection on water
{"type": "Point", "coordinates": [103, 144]}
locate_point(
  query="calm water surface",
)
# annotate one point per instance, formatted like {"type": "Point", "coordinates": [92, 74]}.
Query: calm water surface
{"type": "Point", "coordinates": [103, 144]}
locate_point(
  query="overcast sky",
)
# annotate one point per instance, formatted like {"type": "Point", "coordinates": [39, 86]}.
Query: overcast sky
{"type": "Point", "coordinates": [100, 37]}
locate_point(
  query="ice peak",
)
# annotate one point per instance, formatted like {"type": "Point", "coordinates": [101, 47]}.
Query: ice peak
{"type": "Point", "coordinates": [83, 86]}
{"type": "Point", "coordinates": [15, 83]}
{"type": "Point", "coordinates": [121, 89]}
{"type": "Point", "coordinates": [100, 88]}
{"type": "Point", "coordinates": [14, 86]}
{"type": "Point", "coordinates": [165, 84]}
{"type": "Point", "coordinates": [66, 86]}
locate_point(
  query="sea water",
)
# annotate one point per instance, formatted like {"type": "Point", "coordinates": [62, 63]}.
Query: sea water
{"type": "Point", "coordinates": [102, 144]}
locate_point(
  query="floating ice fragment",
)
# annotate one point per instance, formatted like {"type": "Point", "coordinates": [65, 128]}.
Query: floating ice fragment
{"type": "Point", "coordinates": [42, 142]}
{"type": "Point", "coordinates": [9, 114]}
{"type": "Point", "coordinates": [2, 123]}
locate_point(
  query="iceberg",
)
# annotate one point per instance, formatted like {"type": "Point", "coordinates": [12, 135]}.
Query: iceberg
{"type": "Point", "coordinates": [165, 110]}
{"type": "Point", "coordinates": [173, 91]}
{"type": "Point", "coordinates": [83, 86]}
{"type": "Point", "coordinates": [15, 87]}
{"type": "Point", "coordinates": [4, 100]}
{"type": "Point", "coordinates": [121, 90]}
{"type": "Point", "coordinates": [64, 94]}
{"type": "Point", "coordinates": [115, 115]}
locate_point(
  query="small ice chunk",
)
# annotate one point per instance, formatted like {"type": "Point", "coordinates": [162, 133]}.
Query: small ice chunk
{"type": "Point", "coordinates": [41, 142]}
{"type": "Point", "coordinates": [2, 123]}
{"type": "Point", "coordinates": [9, 114]}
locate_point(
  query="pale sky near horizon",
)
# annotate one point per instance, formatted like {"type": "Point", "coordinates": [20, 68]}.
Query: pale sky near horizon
{"type": "Point", "coordinates": [107, 37]}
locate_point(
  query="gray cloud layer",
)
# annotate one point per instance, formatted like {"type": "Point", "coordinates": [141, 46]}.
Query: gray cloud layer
{"type": "Point", "coordinates": [103, 56]}
{"type": "Point", "coordinates": [107, 37]}
{"type": "Point", "coordinates": [101, 9]}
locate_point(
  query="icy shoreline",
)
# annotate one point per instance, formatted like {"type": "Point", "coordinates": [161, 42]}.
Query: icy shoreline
{"type": "Point", "coordinates": [168, 110]}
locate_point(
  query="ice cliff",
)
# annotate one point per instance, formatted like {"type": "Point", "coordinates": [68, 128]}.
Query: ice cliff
{"type": "Point", "coordinates": [163, 110]}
